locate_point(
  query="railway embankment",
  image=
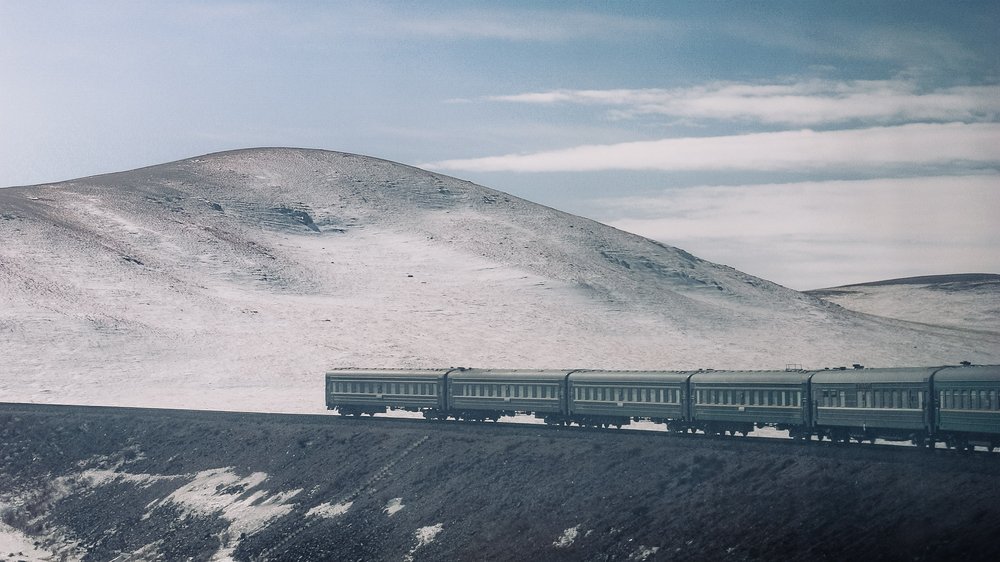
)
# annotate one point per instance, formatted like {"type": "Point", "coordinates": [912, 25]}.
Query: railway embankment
{"type": "Point", "coordinates": [128, 484]}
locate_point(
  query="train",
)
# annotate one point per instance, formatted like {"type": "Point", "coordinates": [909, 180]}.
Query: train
{"type": "Point", "coordinates": [958, 406]}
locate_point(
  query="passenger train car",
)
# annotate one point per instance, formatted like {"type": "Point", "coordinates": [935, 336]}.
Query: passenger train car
{"type": "Point", "coordinates": [959, 406]}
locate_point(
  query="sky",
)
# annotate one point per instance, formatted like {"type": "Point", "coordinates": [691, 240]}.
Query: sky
{"type": "Point", "coordinates": [813, 144]}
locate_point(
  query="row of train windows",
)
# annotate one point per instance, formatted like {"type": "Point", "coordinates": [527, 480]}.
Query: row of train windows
{"type": "Point", "coordinates": [749, 397]}
{"type": "Point", "coordinates": [608, 394]}
{"type": "Point", "coordinates": [903, 399]}
{"type": "Point", "coordinates": [969, 400]}
{"type": "Point", "coordinates": [412, 388]}
{"type": "Point", "coordinates": [506, 390]}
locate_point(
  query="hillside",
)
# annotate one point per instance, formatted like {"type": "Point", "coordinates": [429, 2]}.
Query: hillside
{"type": "Point", "coordinates": [968, 301]}
{"type": "Point", "coordinates": [235, 279]}
{"type": "Point", "coordinates": [118, 484]}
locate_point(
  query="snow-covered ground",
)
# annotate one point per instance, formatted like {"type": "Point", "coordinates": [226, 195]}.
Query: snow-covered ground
{"type": "Point", "coordinates": [235, 280]}
{"type": "Point", "coordinates": [966, 302]}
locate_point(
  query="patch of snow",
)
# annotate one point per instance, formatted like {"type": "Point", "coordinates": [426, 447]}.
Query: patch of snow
{"type": "Point", "coordinates": [15, 545]}
{"type": "Point", "coordinates": [393, 507]}
{"type": "Point", "coordinates": [644, 552]}
{"type": "Point", "coordinates": [233, 497]}
{"type": "Point", "coordinates": [424, 536]}
{"type": "Point", "coordinates": [567, 538]}
{"type": "Point", "coordinates": [329, 510]}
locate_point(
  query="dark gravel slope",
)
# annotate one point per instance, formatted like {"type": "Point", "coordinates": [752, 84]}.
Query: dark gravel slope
{"type": "Point", "coordinates": [497, 492]}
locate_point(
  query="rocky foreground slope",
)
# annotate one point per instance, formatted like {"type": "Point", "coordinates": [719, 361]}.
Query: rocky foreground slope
{"type": "Point", "coordinates": [112, 484]}
{"type": "Point", "coordinates": [234, 280]}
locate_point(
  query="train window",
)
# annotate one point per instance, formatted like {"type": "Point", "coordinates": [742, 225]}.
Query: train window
{"type": "Point", "coordinates": [378, 389]}
{"type": "Point", "coordinates": [992, 405]}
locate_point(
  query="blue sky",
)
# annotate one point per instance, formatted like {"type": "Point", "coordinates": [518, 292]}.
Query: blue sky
{"type": "Point", "coordinates": [809, 143]}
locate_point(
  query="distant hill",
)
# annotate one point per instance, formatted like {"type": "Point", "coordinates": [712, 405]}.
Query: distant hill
{"type": "Point", "coordinates": [233, 280]}
{"type": "Point", "coordinates": [969, 301]}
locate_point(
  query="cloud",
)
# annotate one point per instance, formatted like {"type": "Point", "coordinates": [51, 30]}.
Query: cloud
{"type": "Point", "coordinates": [803, 103]}
{"type": "Point", "coordinates": [904, 145]}
{"type": "Point", "coordinates": [818, 234]}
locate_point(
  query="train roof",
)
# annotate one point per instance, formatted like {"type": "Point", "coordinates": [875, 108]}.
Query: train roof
{"type": "Point", "coordinates": [380, 374]}
{"type": "Point", "coordinates": [973, 373]}
{"type": "Point", "coordinates": [852, 376]}
{"type": "Point", "coordinates": [630, 376]}
{"type": "Point", "coordinates": [509, 375]}
{"type": "Point", "coordinates": [751, 377]}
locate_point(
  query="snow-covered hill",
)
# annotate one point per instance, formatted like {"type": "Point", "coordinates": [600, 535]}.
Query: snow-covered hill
{"type": "Point", "coordinates": [234, 280]}
{"type": "Point", "coordinates": [968, 301]}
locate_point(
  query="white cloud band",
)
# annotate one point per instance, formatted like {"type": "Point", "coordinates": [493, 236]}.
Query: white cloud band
{"type": "Point", "coordinates": [817, 234]}
{"type": "Point", "coordinates": [904, 145]}
{"type": "Point", "coordinates": [800, 104]}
